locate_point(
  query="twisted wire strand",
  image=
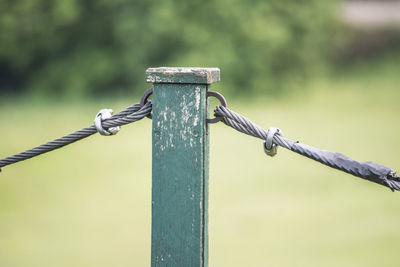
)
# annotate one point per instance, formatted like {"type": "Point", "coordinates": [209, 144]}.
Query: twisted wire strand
{"type": "Point", "coordinates": [131, 114]}
{"type": "Point", "coordinates": [371, 171]}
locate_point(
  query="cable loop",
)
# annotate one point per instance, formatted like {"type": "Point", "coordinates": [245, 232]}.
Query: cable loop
{"type": "Point", "coordinates": [269, 147]}
{"type": "Point", "coordinates": [145, 98]}
{"type": "Point", "coordinates": [102, 115]}
{"type": "Point", "coordinates": [221, 99]}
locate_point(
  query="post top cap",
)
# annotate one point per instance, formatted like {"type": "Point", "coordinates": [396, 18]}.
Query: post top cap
{"type": "Point", "coordinates": [183, 75]}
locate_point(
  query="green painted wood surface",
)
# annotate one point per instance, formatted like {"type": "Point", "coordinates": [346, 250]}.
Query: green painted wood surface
{"type": "Point", "coordinates": [183, 75]}
{"type": "Point", "coordinates": [180, 168]}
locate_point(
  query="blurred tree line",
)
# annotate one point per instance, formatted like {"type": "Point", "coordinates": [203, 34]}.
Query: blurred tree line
{"type": "Point", "coordinates": [74, 48]}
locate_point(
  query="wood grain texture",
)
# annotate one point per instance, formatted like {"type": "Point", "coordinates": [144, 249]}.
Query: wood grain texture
{"type": "Point", "coordinates": [183, 75]}
{"type": "Point", "coordinates": [180, 175]}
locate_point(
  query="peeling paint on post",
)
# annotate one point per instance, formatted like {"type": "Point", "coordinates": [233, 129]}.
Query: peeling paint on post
{"type": "Point", "coordinates": [180, 166]}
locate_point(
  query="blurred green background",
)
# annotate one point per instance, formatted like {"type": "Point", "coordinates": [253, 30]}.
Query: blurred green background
{"type": "Point", "coordinates": [325, 72]}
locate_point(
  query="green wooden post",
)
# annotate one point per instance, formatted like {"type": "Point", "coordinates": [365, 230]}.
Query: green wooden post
{"type": "Point", "coordinates": [179, 234]}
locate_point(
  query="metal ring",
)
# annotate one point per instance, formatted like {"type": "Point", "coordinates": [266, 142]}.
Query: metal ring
{"type": "Point", "coordinates": [101, 116]}
{"type": "Point", "coordinates": [221, 99]}
{"type": "Point", "coordinates": [144, 98]}
{"type": "Point", "coordinates": [269, 147]}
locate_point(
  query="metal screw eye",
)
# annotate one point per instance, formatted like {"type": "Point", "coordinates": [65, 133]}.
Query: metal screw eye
{"type": "Point", "coordinates": [221, 99]}
{"type": "Point", "coordinates": [144, 98]}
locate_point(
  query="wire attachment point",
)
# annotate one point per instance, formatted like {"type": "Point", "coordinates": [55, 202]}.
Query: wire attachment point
{"type": "Point", "coordinates": [269, 147]}
{"type": "Point", "coordinates": [144, 99]}
{"type": "Point", "coordinates": [102, 115]}
{"type": "Point", "coordinates": [221, 99]}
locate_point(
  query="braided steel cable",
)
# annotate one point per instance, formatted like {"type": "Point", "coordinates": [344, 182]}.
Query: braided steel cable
{"type": "Point", "coordinates": [130, 114]}
{"type": "Point", "coordinates": [371, 171]}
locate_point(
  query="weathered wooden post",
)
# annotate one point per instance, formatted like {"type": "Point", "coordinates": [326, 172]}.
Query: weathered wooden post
{"type": "Point", "coordinates": [180, 165]}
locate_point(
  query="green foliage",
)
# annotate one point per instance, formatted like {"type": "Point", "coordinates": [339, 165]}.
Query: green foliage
{"type": "Point", "coordinates": [78, 48]}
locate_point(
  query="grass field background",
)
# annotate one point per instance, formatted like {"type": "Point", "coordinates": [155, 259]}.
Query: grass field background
{"type": "Point", "coordinates": [89, 204]}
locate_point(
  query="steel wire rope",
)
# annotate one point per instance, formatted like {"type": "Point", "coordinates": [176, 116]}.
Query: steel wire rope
{"type": "Point", "coordinates": [371, 171]}
{"type": "Point", "coordinates": [131, 114]}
